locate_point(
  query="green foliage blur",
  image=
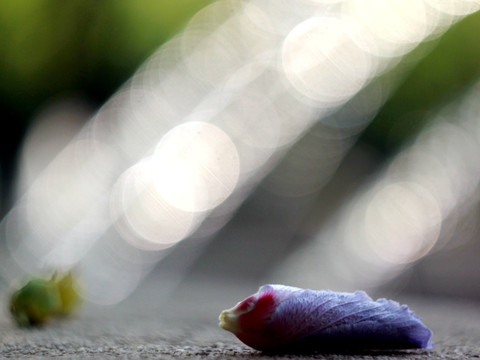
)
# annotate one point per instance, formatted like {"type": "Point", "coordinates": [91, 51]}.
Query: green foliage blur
{"type": "Point", "coordinates": [89, 46]}
{"type": "Point", "coordinates": [447, 72]}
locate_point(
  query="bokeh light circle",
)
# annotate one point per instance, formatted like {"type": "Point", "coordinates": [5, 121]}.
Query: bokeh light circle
{"type": "Point", "coordinates": [196, 166]}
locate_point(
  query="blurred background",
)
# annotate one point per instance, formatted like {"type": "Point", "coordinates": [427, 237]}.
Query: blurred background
{"type": "Point", "coordinates": [323, 144]}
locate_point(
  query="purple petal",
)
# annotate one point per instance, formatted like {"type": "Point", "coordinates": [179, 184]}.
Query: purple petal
{"type": "Point", "coordinates": [324, 319]}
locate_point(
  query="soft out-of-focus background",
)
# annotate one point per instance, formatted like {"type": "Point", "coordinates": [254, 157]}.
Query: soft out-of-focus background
{"type": "Point", "coordinates": [325, 144]}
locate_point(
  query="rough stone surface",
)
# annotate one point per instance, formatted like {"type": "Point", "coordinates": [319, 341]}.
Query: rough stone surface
{"type": "Point", "coordinates": [185, 327]}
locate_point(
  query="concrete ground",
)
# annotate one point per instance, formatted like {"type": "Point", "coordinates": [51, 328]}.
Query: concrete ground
{"type": "Point", "coordinates": [184, 326]}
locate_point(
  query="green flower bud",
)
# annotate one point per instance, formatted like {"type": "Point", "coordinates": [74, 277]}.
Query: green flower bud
{"type": "Point", "coordinates": [40, 300]}
{"type": "Point", "coordinates": [35, 303]}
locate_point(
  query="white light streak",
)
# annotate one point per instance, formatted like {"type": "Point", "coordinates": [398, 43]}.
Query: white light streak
{"type": "Point", "coordinates": [196, 166]}
{"type": "Point", "coordinates": [142, 216]}
{"type": "Point", "coordinates": [454, 7]}
{"type": "Point", "coordinates": [387, 28]}
{"type": "Point", "coordinates": [402, 222]}
{"type": "Point", "coordinates": [398, 217]}
{"type": "Point", "coordinates": [200, 124]}
{"type": "Point", "coordinates": [323, 63]}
